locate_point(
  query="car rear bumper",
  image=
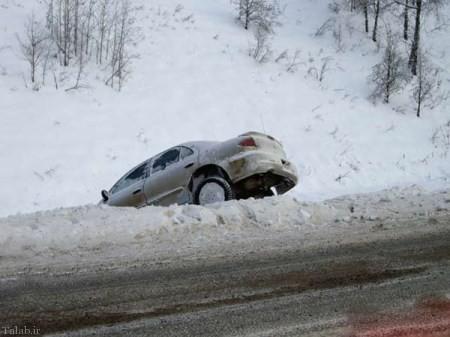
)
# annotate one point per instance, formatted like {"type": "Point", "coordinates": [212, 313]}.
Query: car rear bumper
{"type": "Point", "coordinates": [253, 163]}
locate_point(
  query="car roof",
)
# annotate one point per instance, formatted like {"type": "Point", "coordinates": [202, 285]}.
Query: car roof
{"type": "Point", "coordinates": [200, 145]}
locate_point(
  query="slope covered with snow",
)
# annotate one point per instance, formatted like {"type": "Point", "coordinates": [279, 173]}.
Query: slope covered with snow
{"type": "Point", "coordinates": [194, 80]}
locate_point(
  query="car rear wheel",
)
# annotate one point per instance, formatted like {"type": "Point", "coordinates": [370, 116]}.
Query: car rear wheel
{"type": "Point", "coordinates": [211, 190]}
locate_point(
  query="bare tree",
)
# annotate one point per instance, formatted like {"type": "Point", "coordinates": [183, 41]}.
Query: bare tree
{"type": "Point", "coordinates": [293, 62]}
{"type": "Point", "coordinates": [324, 68]}
{"type": "Point", "coordinates": [81, 60]}
{"type": "Point", "coordinates": [377, 7]}
{"type": "Point", "coordinates": [362, 6]}
{"type": "Point", "coordinates": [89, 16]}
{"type": "Point", "coordinates": [441, 139]}
{"type": "Point", "coordinates": [365, 6]}
{"type": "Point", "coordinates": [375, 24]}
{"type": "Point", "coordinates": [328, 25]}
{"type": "Point", "coordinates": [418, 6]}
{"type": "Point", "coordinates": [67, 28]}
{"type": "Point", "coordinates": [60, 27]}
{"type": "Point", "coordinates": [416, 40]}
{"type": "Point", "coordinates": [32, 45]}
{"type": "Point", "coordinates": [338, 37]}
{"type": "Point", "coordinates": [353, 5]}
{"type": "Point", "coordinates": [50, 19]}
{"type": "Point", "coordinates": [261, 12]}
{"type": "Point", "coordinates": [335, 7]}
{"type": "Point", "coordinates": [406, 20]}
{"type": "Point", "coordinates": [319, 74]}
{"type": "Point", "coordinates": [388, 75]}
{"type": "Point", "coordinates": [48, 58]}
{"type": "Point", "coordinates": [426, 83]}
{"type": "Point", "coordinates": [102, 30]}
{"type": "Point", "coordinates": [261, 51]}
{"type": "Point", "coordinates": [247, 10]}
{"type": "Point", "coordinates": [122, 38]}
{"type": "Point", "coordinates": [76, 24]}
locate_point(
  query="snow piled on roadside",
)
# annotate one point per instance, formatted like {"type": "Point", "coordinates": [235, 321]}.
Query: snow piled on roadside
{"type": "Point", "coordinates": [95, 234]}
{"type": "Point", "coordinates": [90, 226]}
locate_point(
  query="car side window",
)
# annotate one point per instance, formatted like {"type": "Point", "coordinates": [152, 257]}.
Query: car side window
{"type": "Point", "coordinates": [166, 159]}
{"type": "Point", "coordinates": [137, 174]}
{"type": "Point", "coordinates": [185, 152]}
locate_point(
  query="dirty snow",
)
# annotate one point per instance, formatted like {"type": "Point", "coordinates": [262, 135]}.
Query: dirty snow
{"type": "Point", "coordinates": [105, 237]}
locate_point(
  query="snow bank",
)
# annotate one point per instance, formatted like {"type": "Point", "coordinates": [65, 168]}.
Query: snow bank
{"type": "Point", "coordinates": [95, 234]}
{"type": "Point", "coordinates": [92, 226]}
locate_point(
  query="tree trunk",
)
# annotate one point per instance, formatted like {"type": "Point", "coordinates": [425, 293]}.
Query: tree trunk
{"type": "Point", "coordinates": [375, 25]}
{"type": "Point", "coordinates": [419, 105]}
{"type": "Point", "coordinates": [60, 39]}
{"type": "Point", "coordinates": [366, 15]}
{"type": "Point", "coordinates": [75, 27]}
{"type": "Point", "coordinates": [102, 31]}
{"type": "Point", "coordinates": [406, 21]}
{"type": "Point", "coordinates": [419, 99]}
{"type": "Point", "coordinates": [66, 33]}
{"type": "Point", "coordinates": [420, 83]}
{"type": "Point", "coordinates": [50, 19]}
{"type": "Point", "coordinates": [388, 81]}
{"type": "Point", "coordinates": [247, 17]}
{"type": "Point", "coordinates": [88, 29]}
{"type": "Point", "coordinates": [33, 62]}
{"type": "Point", "coordinates": [416, 40]}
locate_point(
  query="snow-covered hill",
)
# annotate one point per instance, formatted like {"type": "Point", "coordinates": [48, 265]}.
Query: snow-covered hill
{"type": "Point", "coordinates": [194, 80]}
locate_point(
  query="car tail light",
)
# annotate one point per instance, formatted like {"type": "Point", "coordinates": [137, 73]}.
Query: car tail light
{"type": "Point", "coordinates": [247, 142]}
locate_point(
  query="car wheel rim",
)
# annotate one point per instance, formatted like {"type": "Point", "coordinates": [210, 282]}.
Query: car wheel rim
{"type": "Point", "coordinates": [210, 193]}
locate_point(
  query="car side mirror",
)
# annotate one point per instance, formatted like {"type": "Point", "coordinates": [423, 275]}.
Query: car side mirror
{"type": "Point", "coordinates": [105, 195]}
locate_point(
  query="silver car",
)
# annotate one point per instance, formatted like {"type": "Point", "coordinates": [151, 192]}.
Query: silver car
{"type": "Point", "coordinates": [250, 165]}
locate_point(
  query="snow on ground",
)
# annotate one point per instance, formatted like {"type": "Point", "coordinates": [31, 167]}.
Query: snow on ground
{"type": "Point", "coordinates": [194, 80]}
{"type": "Point", "coordinates": [103, 237]}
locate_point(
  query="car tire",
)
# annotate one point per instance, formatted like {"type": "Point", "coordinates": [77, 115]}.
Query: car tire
{"type": "Point", "coordinates": [213, 189]}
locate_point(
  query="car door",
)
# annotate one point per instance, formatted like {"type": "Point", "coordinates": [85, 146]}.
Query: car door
{"type": "Point", "coordinates": [170, 175]}
{"type": "Point", "coordinates": [129, 191]}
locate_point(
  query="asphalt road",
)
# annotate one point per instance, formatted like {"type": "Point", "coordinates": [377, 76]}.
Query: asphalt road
{"type": "Point", "coordinates": [382, 287]}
